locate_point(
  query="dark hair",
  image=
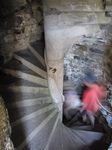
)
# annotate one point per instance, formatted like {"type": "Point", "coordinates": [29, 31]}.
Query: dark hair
{"type": "Point", "coordinates": [90, 79]}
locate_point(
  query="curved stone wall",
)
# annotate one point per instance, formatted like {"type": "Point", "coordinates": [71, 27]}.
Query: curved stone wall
{"type": "Point", "coordinates": [5, 128]}
{"type": "Point", "coordinates": [21, 22]}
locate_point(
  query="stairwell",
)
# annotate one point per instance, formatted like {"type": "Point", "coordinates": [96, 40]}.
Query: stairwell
{"type": "Point", "coordinates": [27, 85]}
{"type": "Point", "coordinates": [34, 117]}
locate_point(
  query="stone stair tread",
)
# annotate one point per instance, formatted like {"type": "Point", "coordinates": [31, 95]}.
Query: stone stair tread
{"type": "Point", "coordinates": [31, 126]}
{"type": "Point", "coordinates": [67, 141]}
{"type": "Point", "coordinates": [24, 82]}
{"type": "Point", "coordinates": [28, 89]}
{"type": "Point", "coordinates": [30, 57]}
{"type": "Point", "coordinates": [97, 128]}
{"type": "Point", "coordinates": [68, 85]}
{"type": "Point", "coordinates": [40, 141]}
{"type": "Point", "coordinates": [63, 141]}
{"type": "Point", "coordinates": [74, 120]}
{"type": "Point", "coordinates": [26, 111]}
{"type": "Point", "coordinates": [56, 142]}
{"type": "Point", "coordinates": [31, 66]}
{"type": "Point", "coordinates": [14, 64]}
{"type": "Point", "coordinates": [94, 140]}
{"type": "Point", "coordinates": [11, 80]}
{"type": "Point", "coordinates": [84, 127]}
{"type": "Point", "coordinates": [39, 47]}
{"type": "Point", "coordinates": [76, 141]}
{"type": "Point", "coordinates": [29, 102]}
{"type": "Point", "coordinates": [89, 133]}
{"type": "Point", "coordinates": [21, 78]}
{"type": "Point", "coordinates": [11, 96]}
{"type": "Point", "coordinates": [37, 55]}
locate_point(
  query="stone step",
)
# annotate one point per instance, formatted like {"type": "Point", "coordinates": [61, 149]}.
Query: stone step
{"type": "Point", "coordinates": [94, 140]}
{"type": "Point", "coordinates": [25, 76]}
{"type": "Point", "coordinates": [41, 139]}
{"type": "Point", "coordinates": [39, 47]}
{"type": "Point", "coordinates": [12, 97]}
{"type": "Point", "coordinates": [28, 113]}
{"type": "Point", "coordinates": [83, 127]}
{"type": "Point", "coordinates": [62, 139]}
{"type": "Point", "coordinates": [56, 124]}
{"type": "Point", "coordinates": [26, 89]}
{"type": "Point", "coordinates": [74, 120]}
{"type": "Point", "coordinates": [37, 55]}
{"type": "Point", "coordinates": [15, 64]}
{"type": "Point", "coordinates": [97, 128]}
{"type": "Point", "coordinates": [56, 141]}
{"type": "Point", "coordinates": [29, 102]}
{"type": "Point", "coordinates": [65, 5]}
{"type": "Point", "coordinates": [29, 65]}
{"type": "Point", "coordinates": [68, 85]}
{"type": "Point", "coordinates": [77, 123]}
{"type": "Point", "coordinates": [78, 143]}
{"type": "Point", "coordinates": [8, 80]}
{"type": "Point", "coordinates": [66, 139]}
{"type": "Point", "coordinates": [32, 56]}
{"type": "Point", "coordinates": [35, 130]}
{"type": "Point", "coordinates": [23, 82]}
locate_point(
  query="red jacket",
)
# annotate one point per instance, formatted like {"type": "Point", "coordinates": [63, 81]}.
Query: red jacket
{"type": "Point", "coordinates": [91, 95]}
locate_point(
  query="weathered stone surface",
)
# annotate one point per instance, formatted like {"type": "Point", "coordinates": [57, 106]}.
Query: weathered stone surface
{"type": "Point", "coordinates": [19, 3]}
{"type": "Point", "coordinates": [108, 8]}
{"type": "Point", "coordinates": [21, 23]}
{"type": "Point", "coordinates": [5, 128]}
{"type": "Point", "coordinates": [108, 61]}
{"type": "Point", "coordinates": [71, 18]}
{"type": "Point", "coordinates": [71, 5]}
{"type": "Point", "coordinates": [63, 27]}
{"type": "Point", "coordinates": [108, 2]}
{"type": "Point", "coordinates": [96, 51]}
{"type": "Point", "coordinates": [89, 57]}
{"type": "Point", "coordinates": [108, 14]}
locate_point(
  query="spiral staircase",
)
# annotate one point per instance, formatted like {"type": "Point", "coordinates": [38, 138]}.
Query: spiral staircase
{"type": "Point", "coordinates": [34, 117]}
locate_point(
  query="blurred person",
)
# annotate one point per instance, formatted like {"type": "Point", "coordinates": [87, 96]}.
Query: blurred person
{"type": "Point", "coordinates": [72, 101]}
{"type": "Point", "coordinates": [92, 94]}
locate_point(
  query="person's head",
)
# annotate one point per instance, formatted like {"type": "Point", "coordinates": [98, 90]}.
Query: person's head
{"type": "Point", "coordinates": [89, 80]}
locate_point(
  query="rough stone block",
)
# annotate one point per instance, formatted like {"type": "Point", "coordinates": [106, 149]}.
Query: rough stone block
{"type": "Point", "coordinates": [108, 2]}
{"type": "Point", "coordinates": [71, 5]}
{"type": "Point", "coordinates": [8, 38]}
{"type": "Point", "coordinates": [108, 8]}
{"type": "Point", "coordinates": [69, 19]}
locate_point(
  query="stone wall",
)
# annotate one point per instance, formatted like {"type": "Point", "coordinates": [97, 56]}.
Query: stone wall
{"type": "Point", "coordinates": [5, 128]}
{"type": "Point", "coordinates": [21, 22]}
{"type": "Point", "coordinates": [93, 53]}
{"type": "Point", "coordinates": [90, 54]}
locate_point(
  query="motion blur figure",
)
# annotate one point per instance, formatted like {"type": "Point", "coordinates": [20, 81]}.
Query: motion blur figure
{"type": "Point", "coordinates": [72, 101]}
{"type": "Point", "coordinates": [92, 94]}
